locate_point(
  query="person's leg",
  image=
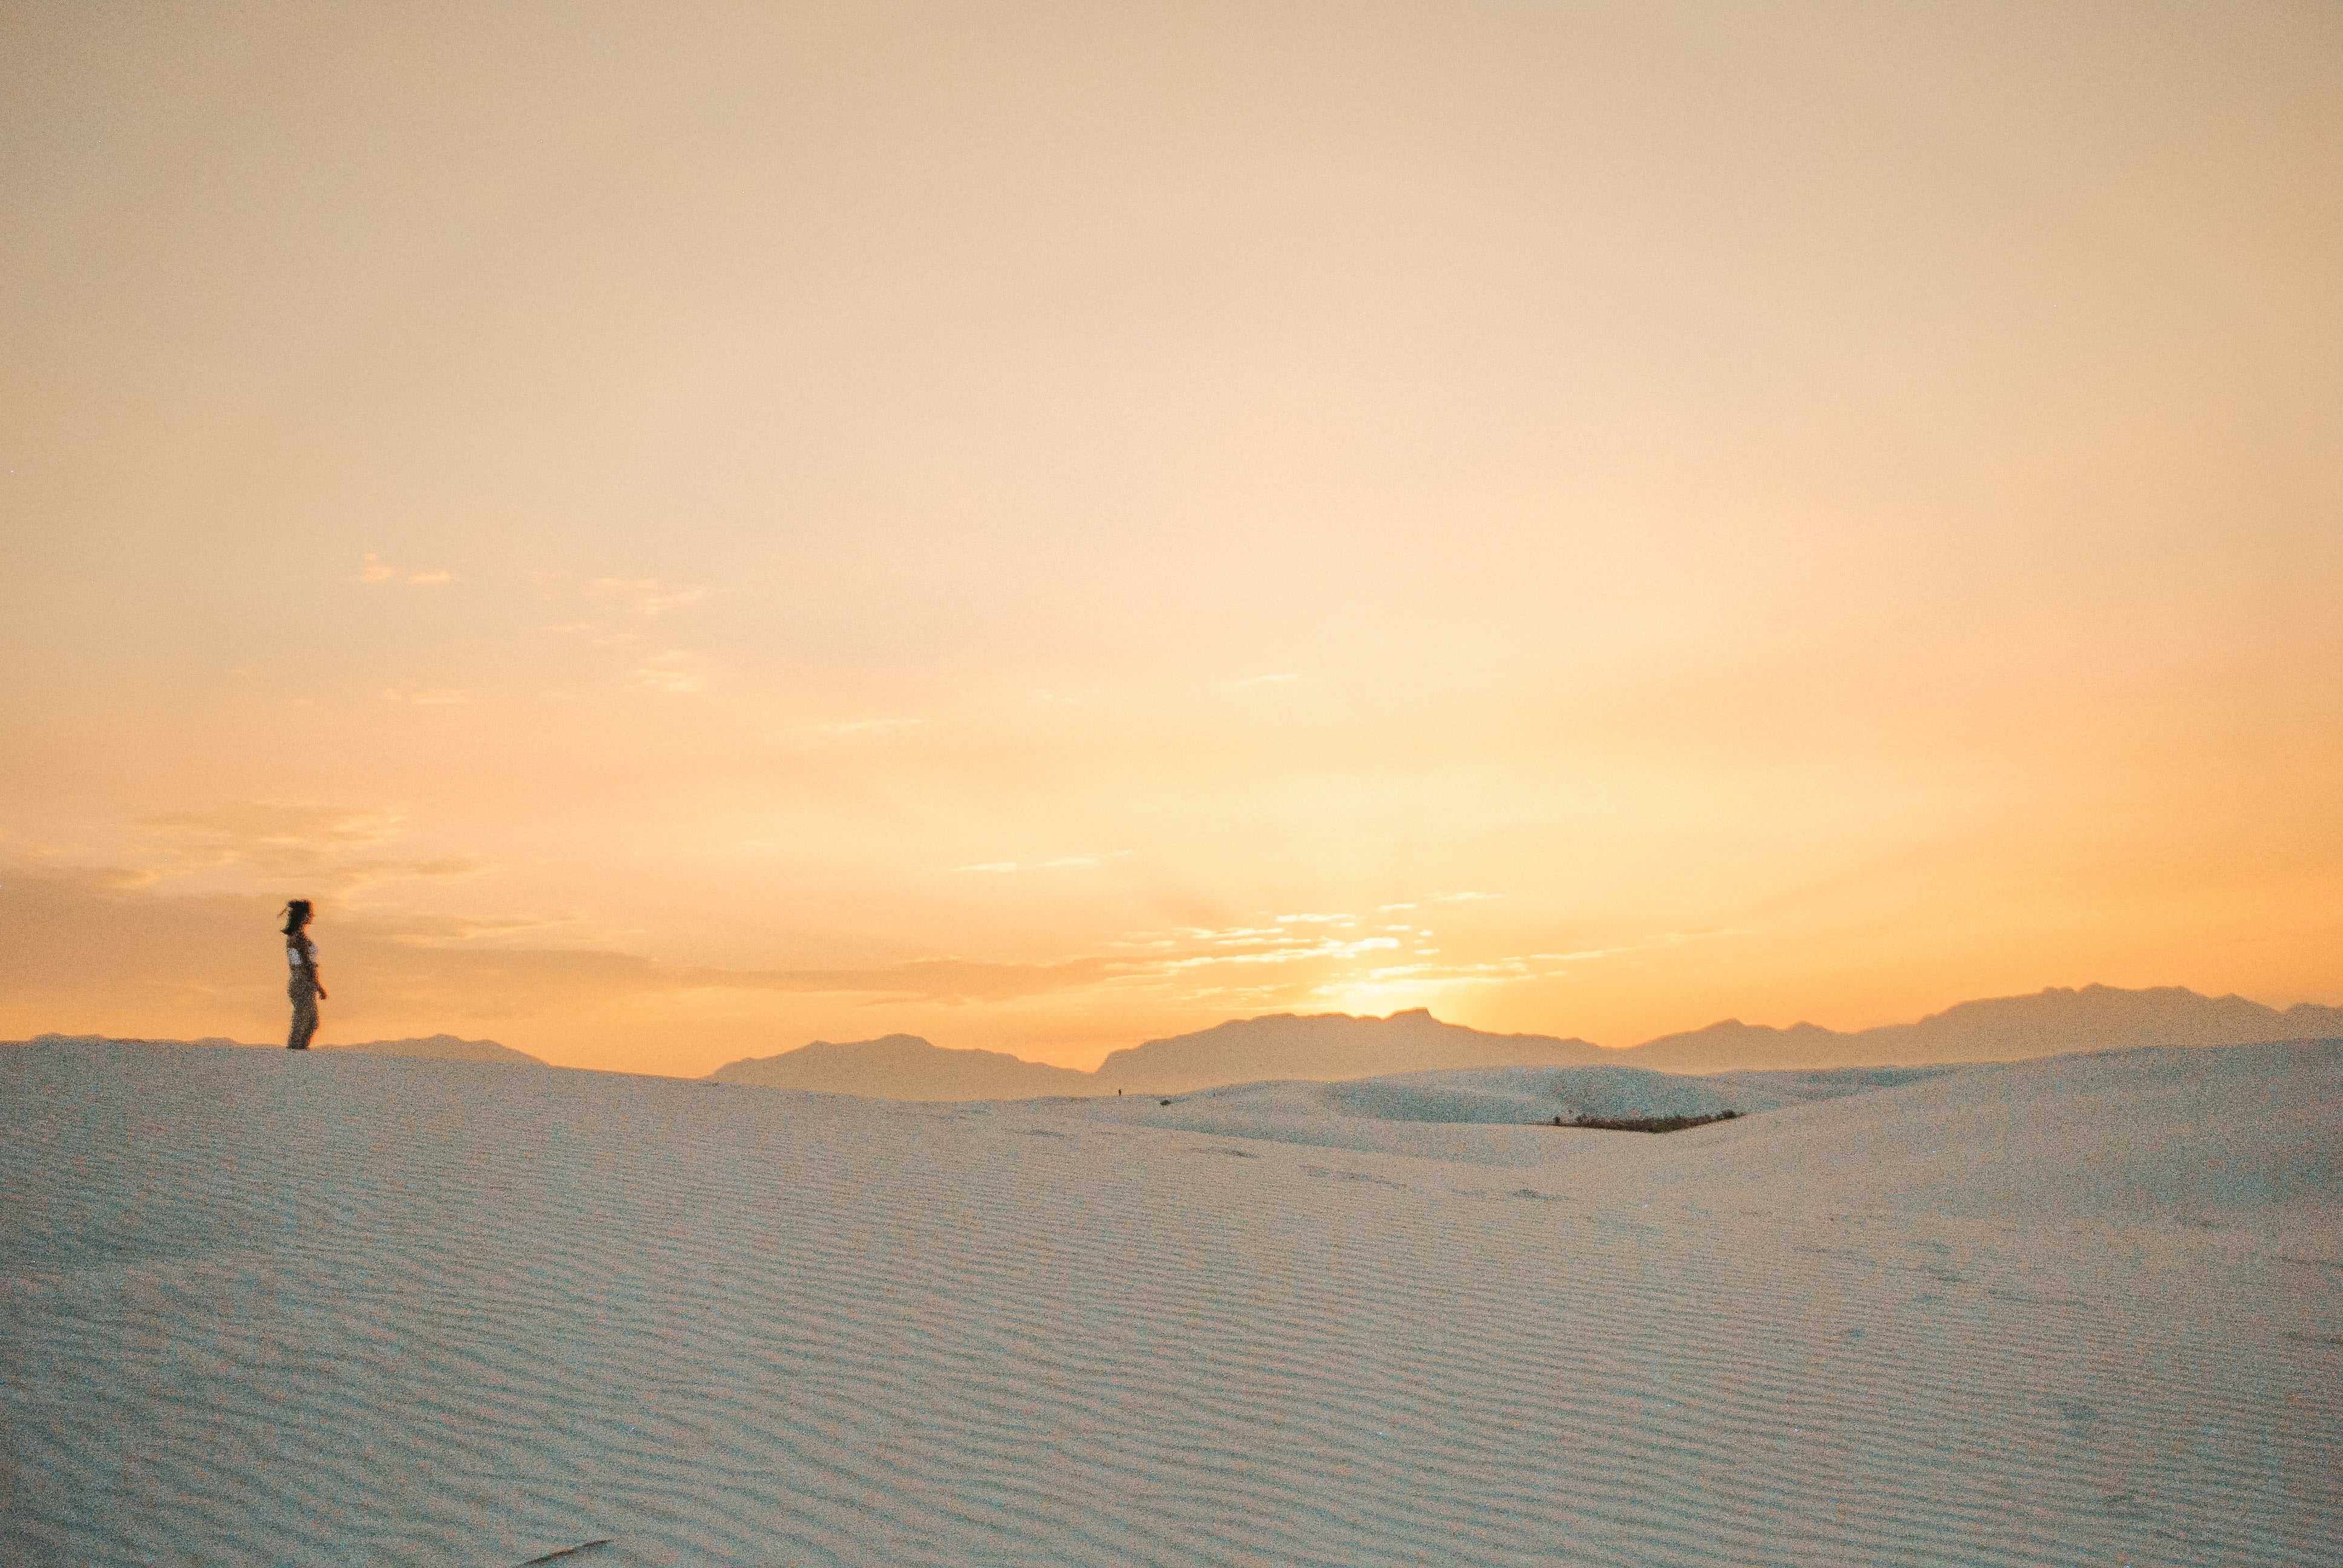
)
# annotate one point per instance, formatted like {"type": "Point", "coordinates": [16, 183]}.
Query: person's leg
{"type": "Point", "coordinates": [305, 1017]}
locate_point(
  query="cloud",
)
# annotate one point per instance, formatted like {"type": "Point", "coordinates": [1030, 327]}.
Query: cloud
{"type": "Point", "coordinates": [1463, 898]}
{"type": "Point", "coordinates": [1064, 863]}
{"type": "Point", "coordinates": [276, 833]}
{"type": "Point", "coordinates": [377, 570]}
{"type": "Point", "coordinates": [190, 964]}
{"type": "Point", "coordinates": [646, 596]}
{"type": "Point", "coordinates": [920, 979]}
{"type": "Point", "coordinates": [438, 930]}
{"type": "Point", "coordinates": [1324, 948]}
{"type": "Point", "coordinates": [869, 726]}
{"type": "Point", "coordinates": [321, 845]}
{"type": "Point", "coordinates": [676, 670]}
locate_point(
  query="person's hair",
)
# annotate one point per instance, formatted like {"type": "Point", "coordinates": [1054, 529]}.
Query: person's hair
{"type": "Point", "coordinates": [296, 915]}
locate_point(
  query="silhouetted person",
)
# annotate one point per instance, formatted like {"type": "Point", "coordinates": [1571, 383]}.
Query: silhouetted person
{"type": "Point", "coordinates": [303, 986]}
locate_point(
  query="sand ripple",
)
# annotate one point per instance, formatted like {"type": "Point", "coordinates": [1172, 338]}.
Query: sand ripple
{"type": "Point", "coordinates": [268, 1309]}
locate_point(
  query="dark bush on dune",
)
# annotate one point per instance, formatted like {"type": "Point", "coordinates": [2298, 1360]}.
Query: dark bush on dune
{"type": "Point", "coordinates": [1647, 1123]}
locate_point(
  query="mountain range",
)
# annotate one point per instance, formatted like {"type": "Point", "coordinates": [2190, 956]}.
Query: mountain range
{"type": "Point", "coordinates": [442, 1047]}
{"type": "Point", "coordinates": [905, 1067]}
{"type": "Point", "coordinates": [1336, 1046]}
{"type": "Point", "coordinates": [1330, 1046]}
{"type": "Point", "coordinates": [436, 1047]}
{"type": "Point", "coordinates": [1998, 1028]}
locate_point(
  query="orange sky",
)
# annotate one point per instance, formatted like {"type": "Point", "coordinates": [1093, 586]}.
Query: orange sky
{"type": "Point", "coordinates": [694, 528]}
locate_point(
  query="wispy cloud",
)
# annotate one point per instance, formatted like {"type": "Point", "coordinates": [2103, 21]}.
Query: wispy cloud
{"type": "Point", "coordinates": [646, 596]}
{"type": "Point", "coordinates": [441, 929]}
{"type": "Point", "coordinates": [869, 725]}
{"type": "Point", "coordinates": [1064, 863]}
{"type": "Point", "coordinates": [676, 670]}
{"type": "Point", "coordinates": [326, 845]}
{"type": "Point", "coordinates": [940, 979]}
{"type": "Point", "coordinates": [377, 570]}
{"type": "Point", "coordinates": [505, 966]}
{"type": "Point", "coordinates": [1325, 948]}
{"type": "Point", "coordinates": [283, 832]}
{"type": "Point", "coordinates": [615, 610]}
{"type": "Point", "coordinates": [1463, 898]}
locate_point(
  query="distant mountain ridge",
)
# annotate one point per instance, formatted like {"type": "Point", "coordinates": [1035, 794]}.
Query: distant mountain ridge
{"type": "Point", "coordinates": [905, 1067]}
{"type": "Point", "coordinates": [442, 1047]}
{"type": "Point", "coordinates": [435, 1047]}
{"type": "Point", "coordinates": [2050, 1022]}
{"type": "Point", "coordinates": [1329, 1046]}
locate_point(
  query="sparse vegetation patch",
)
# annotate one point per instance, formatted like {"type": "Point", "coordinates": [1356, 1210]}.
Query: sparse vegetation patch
{"type": "Point", "coordinates": [1645, 1123]}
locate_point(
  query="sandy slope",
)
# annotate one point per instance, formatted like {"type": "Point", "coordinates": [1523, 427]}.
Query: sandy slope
{"type": "Point", "coordinates": [264, 1308]}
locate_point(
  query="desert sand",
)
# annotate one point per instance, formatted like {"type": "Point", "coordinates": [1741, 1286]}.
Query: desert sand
{"type": "Point", "coordinates": [349, 1307]}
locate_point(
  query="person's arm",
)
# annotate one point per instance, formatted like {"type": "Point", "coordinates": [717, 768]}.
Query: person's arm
{"type": "Point", "coordinates": [309, 956]}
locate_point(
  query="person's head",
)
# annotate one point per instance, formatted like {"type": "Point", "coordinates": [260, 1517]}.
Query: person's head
{"type": "Point", "coordinates": [296, 915]}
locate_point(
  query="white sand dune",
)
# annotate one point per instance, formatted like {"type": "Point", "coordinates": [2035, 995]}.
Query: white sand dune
{"type": "Point", "coordinates": [1489, 1115]}
{"type": "Point", "coordinates": [263, 1308]}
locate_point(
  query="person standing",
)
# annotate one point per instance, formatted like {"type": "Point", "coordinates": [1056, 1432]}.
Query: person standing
{"type": "Point", "coordinates": [303, 986]}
